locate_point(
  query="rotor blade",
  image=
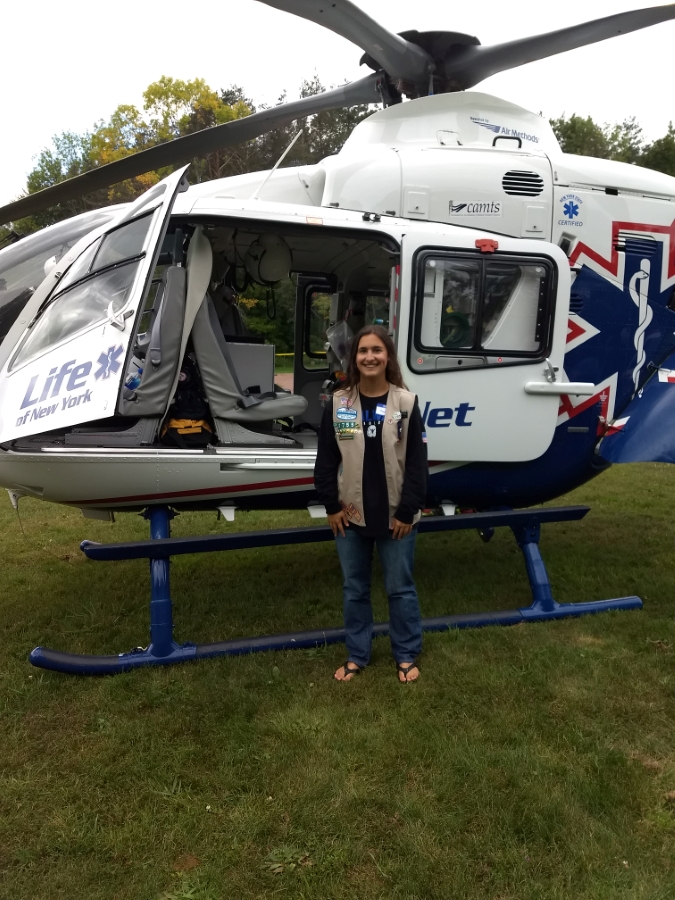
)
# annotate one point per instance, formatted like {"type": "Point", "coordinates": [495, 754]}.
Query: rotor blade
{"type": "Point", "coordinates": [183, 149]}
{"type": "Point", "coordinates": [399, 58]}
{"type": "Point", "coordinates": [470, 65]}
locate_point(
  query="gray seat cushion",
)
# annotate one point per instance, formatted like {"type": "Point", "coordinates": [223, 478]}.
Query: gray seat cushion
{"type": "Point", "coordinates": [279, 408]}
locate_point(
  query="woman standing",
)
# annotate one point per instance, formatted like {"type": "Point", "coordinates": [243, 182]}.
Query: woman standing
{"type": "Point", "coordinates": [371, 474]}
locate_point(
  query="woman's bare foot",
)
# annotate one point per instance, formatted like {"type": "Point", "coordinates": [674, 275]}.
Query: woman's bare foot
{"type": "Point", "coordinates": [347, 672]}
{"type": "Point", "coordinates": [407, 672]}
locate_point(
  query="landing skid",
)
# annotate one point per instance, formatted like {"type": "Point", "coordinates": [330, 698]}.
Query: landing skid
{"type": "Point", "coordinates": [163, 650]}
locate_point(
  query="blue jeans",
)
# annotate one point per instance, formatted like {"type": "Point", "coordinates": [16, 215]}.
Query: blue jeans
{"type": "Point", "coordinates": [405, 623]}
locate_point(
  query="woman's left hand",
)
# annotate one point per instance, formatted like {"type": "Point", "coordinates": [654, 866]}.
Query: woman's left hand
{"type": "Point", "coordinates": [400, 530]}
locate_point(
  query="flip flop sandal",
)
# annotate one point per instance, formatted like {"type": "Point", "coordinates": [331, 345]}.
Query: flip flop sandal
{"type": "Point", "coordinates": [347, 671]}
{"type": "Point", "coordinates": [405, 668]}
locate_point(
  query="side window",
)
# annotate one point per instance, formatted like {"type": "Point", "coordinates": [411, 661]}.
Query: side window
{"type": "Point", "coordinates": [491, 310]}
{"type": "Point", "coordinates": [317, 307]}
{"type": "Point", "coordinates": [450, 303]}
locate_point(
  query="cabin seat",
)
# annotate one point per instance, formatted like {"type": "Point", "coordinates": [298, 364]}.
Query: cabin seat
{"type": "Point", "coordinates": [226, 397]}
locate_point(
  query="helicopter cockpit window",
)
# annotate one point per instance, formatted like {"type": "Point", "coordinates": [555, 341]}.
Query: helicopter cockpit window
{"type": "Point", "coordinates": [80, 268]}
{"type": "Point", "coordinates": [87, 303]}
{"type": "Point", "coordinates": [124, 243]}
{"type": "Point", "coordinates": [97, 285]}
{"type": "Point", "coordinates": [487, 307]}
{"type": "Point", "coordinates": [24, 264]}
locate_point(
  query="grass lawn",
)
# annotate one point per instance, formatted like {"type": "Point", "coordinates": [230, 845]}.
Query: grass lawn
{"type": "Point", "coordinates": [528, 763]}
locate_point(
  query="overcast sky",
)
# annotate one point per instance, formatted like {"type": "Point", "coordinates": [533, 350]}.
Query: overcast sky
{"type": "Point", "coordinates": [67, 65]}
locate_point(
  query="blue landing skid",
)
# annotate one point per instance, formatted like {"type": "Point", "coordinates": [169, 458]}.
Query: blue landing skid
{"type": "Point", "coordinates": [163, 650]}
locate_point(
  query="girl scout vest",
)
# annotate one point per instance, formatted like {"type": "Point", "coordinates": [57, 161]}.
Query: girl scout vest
{"type": "Point", "coordinates": [348, 425]}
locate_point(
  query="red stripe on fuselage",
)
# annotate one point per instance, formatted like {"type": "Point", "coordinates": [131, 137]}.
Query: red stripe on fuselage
{"type": "Point", "coordinates": [612, 264]}
{"type": "Point", "coordinates": [201, 492]}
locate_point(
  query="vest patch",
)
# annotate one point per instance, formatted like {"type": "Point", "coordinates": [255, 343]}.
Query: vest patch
{"type": "Point", "coordinates": [346, 415]}
{"type": "Point", "coordinates": [352, 512]}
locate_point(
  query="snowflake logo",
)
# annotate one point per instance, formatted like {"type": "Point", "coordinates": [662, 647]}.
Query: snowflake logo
{"type": "Point", "coordinates": [571, 210]}
{"type": "Point", "coordinates": [109, 362]}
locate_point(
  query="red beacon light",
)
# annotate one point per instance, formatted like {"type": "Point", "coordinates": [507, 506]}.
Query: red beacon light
{"type": "Point", "coordinates": [487, 245]}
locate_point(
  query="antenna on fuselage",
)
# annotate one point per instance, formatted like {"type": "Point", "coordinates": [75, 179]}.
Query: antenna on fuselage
{"type": "Point", "coordinates": [283, 156]}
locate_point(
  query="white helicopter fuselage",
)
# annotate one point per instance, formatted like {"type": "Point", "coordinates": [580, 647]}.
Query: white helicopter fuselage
{"type": "Point", "coordinates": [426, 196]}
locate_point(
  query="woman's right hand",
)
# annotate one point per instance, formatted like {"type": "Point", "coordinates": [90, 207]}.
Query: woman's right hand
{"type": "Point", "coordinates": [338, 522]}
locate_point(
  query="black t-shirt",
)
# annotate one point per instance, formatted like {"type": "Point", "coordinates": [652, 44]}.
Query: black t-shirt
{"type": "Point", "coordinates": [375, 496]}
{"type": "Point", "coordinates": [375, 499]}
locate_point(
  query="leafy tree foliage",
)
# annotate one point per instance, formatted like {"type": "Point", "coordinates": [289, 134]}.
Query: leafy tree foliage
{"type": "Point", "coordinates": [624, 142]}
{"type": "Point", "coordinates": [581, 136]}
{"type": "Point", "coordinates": [173, 108]}
{"type": "Point", "coordinates": [70, 155]}
{"type": "Point", "coordinates": [270, 313]}
{"type": "Point", "coordinates": [661, 154]}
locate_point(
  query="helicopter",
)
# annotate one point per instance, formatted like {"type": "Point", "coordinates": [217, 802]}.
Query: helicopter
{"type": "Point", "coordinates": [530, 294]}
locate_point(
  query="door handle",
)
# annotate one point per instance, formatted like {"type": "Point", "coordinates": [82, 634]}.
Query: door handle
{"type": "Point", "coordinates": [118, 320]}
{"type": "Point", "coordinates": [557, 388]}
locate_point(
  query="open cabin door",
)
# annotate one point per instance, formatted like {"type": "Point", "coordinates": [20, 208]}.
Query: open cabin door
{"type": "Point", "coordinates": [68, 366]}
{"type": "Point", "coordinates": [481, 340]}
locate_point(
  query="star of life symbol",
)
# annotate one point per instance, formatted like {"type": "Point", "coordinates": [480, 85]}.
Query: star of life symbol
{"type": "Point", "coordinates": [109, 362]}
{"type": "Point", "coordinates": [570, 209]}
{"type": "Point", "coordinates": [638, 289]}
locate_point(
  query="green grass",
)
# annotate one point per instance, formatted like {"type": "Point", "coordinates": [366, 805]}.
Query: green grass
{"type": "Point", "coordinates": [528, 763]}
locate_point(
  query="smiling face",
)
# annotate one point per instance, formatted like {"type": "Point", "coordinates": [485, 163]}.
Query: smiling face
{"type": "Point", "coordinates": [372, 358]}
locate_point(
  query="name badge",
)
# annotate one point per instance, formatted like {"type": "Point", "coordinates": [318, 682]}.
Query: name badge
{"type": "Point", "coordinates": [346, 415]}
{"type": "Point", "coordinates": [380, 410]}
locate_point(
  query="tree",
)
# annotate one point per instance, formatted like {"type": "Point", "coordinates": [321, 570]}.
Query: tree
{"type": "Point", "coordinates": [69, 156]}
{"type": "Point", "coordinates": [661, 154]}
{"type": "Point", "coordinates": [581, 136]}
{"type": "Point", "coordinates": [171, 108]}
{"type": "Point", "coordinates": [622, 142]}
{"type": "Point", "coordinates": [270, 313]}
{"type": "Point", "coordinates": [327, 132]}
{"type": "Point", "coordinates": [625, 142]}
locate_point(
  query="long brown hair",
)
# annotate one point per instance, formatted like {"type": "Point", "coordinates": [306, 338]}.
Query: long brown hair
{"type": "Point", "coordinates": [393, 371]}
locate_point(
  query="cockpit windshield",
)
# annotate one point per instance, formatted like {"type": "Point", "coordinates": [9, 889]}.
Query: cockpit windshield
{"type": "Point", "coordinates": [23, 265]}
{"type": "Point", "coordinates": [98, 284]}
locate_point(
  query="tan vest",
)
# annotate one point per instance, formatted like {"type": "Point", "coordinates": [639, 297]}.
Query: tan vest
{"type": "Point", "coordinates": [348, 426]}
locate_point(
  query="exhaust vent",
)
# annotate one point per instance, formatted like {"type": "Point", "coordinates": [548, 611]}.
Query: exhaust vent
{"type": "Point", "coordinates": [523, 184]}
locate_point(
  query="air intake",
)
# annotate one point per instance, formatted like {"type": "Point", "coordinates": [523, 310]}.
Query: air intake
{"type": "Point", "coordinates": [523, 184]}
{"type": "Point", "coordinates": [576, 303]}
{"type": "Point", "coordinates": [637, 244]}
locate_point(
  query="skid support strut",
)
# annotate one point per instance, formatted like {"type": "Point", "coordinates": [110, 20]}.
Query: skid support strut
{"type": "Point", "coordinates": [163, 650]}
